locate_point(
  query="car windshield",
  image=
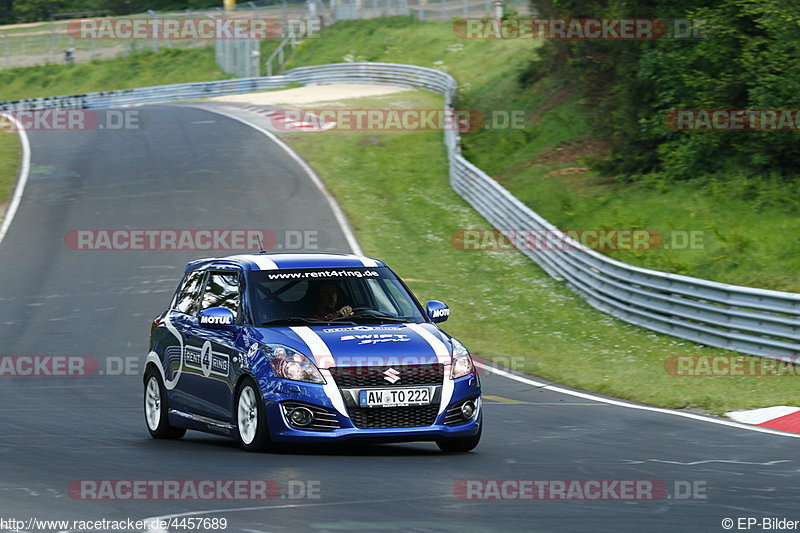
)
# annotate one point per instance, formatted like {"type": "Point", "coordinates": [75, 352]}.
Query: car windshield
{"type": "Point", "coordinates": [326, 295]}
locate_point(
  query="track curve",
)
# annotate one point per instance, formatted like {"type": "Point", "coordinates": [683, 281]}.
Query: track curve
{"type": "Point", "coordinates": [194, 169]}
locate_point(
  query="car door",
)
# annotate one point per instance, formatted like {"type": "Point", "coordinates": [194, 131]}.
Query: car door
{"type": "Point", "coordinates": [211, 353]}
{"type": "Point", "coordinates": [169, 336]}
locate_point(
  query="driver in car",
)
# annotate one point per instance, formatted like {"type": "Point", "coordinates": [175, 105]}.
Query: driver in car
{"type": "Point", "coordinates": [325, 301]}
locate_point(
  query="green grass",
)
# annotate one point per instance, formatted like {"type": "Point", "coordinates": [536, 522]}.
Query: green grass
{"type": "Point", "coordinates": [9, 165]}
{"type": "Point", "coordinates": [749, 231]}
{"type": "Point", "coordinates": [137, 70]}
{"type": "Point", "coordinates": [394, 188]}
{"type": "Point", "coordinates": [402, 40]}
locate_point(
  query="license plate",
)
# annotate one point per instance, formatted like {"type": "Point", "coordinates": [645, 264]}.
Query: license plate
{"type": "Point", "coordinates": [394, 397]}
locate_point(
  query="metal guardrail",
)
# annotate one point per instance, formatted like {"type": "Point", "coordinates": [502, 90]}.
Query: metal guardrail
{"type": "Point", "coordinates": [754, 321]}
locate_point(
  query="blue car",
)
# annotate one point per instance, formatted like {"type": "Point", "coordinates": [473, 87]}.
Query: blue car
{"type": "Point", "coordinates": [302, 348]}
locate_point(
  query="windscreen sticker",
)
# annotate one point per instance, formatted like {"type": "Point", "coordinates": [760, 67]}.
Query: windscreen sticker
{"type": "Point", "coordinates": [326, 274]}
{"type": "Point", "coordinates": [376, 338]}
{"type": "Point", "coordinates": [343, 329]}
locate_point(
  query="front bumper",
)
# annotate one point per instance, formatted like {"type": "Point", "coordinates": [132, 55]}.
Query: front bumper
{"type": "Point", "coordinates": [280, 392]}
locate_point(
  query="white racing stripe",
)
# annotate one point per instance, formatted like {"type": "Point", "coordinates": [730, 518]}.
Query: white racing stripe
{"type": "Point", "coordinates": [324, 360]}
{"type": "Point", "coordinates": [319, 350]}
{"type": "Point", "coordinates": [263, 262]}
{"type": "Point", "coordinates": [366, 261]}
{"type": "Point", "coordinates": [443, 355]}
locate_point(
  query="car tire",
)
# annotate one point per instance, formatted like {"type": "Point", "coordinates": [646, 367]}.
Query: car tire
{"type": "Point", "coordinates": [250, 416]}
{"type": "Point", "coordinates": [460, 444]}
{"type": "Point", "coordinates": [156, 408]}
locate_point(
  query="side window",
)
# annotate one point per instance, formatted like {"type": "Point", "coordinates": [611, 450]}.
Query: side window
{"type": "Point", "coordinates": [186, 299]}
{"type": "Point", "coordinates": [222, 290]}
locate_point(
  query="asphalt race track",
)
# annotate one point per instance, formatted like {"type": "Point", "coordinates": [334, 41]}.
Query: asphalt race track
{"type": "Point", "coordinates": [193, 169]}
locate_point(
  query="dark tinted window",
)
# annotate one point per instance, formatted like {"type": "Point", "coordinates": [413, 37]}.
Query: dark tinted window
{"type": "Point", "coordinates": [222, 290]}
{"type": "Point", "coordinates": [186, 301]}
{"type": "Point", "coordinates": [278, 294]}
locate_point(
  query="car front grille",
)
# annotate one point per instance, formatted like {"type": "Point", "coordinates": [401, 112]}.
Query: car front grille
{"type": "Point", "coordinates": [350, 377]}
{"type": "Point", "coordinates": [393, 417]}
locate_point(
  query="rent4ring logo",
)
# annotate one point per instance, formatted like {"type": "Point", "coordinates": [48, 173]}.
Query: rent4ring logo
{"type": "Point", "coordinates": [190, 239]}
{"type": "Point", "coordinates": [206, 28]}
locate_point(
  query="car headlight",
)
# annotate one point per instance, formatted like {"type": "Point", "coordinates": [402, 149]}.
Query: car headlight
{"type": "Point", "coordinates": [288, 363]}
{"type": "Point", "coordinates": [462, 362]}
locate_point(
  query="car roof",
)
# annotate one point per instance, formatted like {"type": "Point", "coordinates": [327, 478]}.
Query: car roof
{"type": "Point", "coordinates": [281, 261]}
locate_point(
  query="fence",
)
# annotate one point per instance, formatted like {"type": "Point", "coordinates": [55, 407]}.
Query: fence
{"type": "Point", "coordinates": [241, 58]}
{"type": "Point", "coordinates": [755, 321]}
{"type": "Point", "coordinates": [48, 42]}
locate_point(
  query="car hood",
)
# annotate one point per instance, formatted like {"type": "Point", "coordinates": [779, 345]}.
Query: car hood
{"type": "Point", "coordinates": [373, 345]}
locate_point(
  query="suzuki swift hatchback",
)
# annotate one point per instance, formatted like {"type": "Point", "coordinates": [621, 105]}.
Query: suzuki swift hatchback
{"type": "Point", "coordinates": [281, 348]}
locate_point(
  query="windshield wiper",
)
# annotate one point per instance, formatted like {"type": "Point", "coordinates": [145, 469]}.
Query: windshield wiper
{"type": "Point", "coordinates": [307, 321]}
{"type": "Point", "coordinates": [374, 316]}
{"type": "Point", "coordinates": [293, 320]}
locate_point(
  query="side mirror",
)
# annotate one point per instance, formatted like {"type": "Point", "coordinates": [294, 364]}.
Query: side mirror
{"type": "Point", "coordinates": [216, 318]}
{"type": "Point", "coordinates": [437, 311]}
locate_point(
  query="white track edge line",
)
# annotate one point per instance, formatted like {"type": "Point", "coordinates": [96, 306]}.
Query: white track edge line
{"type": "Point", "coordinates": [621, 403]}
{"type": "Point", "coordinates": [22, 180]}
{"type": "Point", "coordinates": [337, 211]}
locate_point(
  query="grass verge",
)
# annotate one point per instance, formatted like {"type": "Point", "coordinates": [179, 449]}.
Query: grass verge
{"type": "Point", "coordinates": [10, 151]}
{"type": "Point", "coordinates": [136, 70]}
{"type": "Point", "coordinates": [394, 187]}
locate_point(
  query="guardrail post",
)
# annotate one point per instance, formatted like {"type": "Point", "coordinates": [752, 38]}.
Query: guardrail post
{"type": "Point", "coordinates": [154, 40]}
